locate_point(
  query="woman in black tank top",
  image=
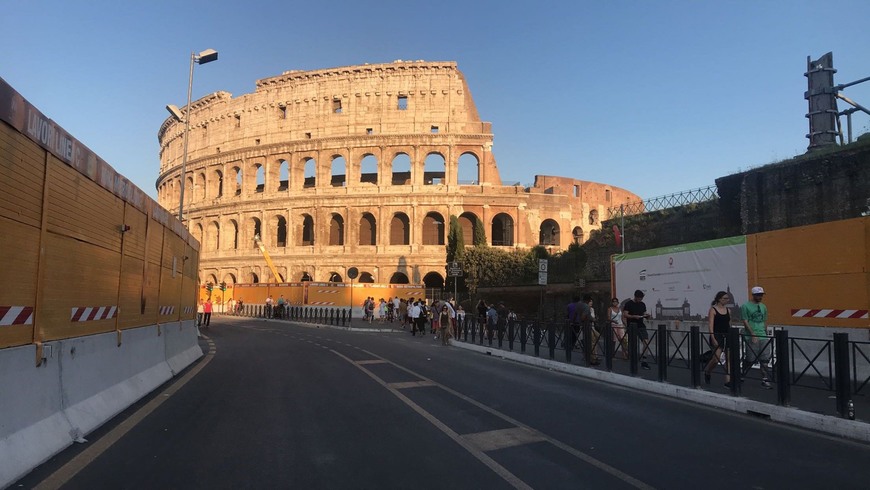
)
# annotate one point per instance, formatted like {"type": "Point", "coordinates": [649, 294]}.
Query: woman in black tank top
{"type": "Point", "coordinates": [719, 322]}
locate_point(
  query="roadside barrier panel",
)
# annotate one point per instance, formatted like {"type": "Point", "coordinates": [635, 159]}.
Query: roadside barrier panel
{"type": "Point", "coordinates": [181, 345]}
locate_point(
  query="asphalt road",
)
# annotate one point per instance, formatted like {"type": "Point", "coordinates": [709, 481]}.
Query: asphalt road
{"type": "Point", "coordinates": [280, 405]}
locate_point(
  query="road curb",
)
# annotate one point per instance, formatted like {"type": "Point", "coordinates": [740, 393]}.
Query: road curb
{"type": "Point", "coordinates": [849, 429]}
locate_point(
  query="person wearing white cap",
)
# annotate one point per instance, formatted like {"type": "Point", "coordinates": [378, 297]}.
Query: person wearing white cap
{"type": "Point", "coordinates": [754, 314]}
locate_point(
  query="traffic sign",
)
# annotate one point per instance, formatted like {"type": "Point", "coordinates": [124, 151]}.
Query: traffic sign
{"type": "Point", "coordinates": [542, 265]}
{"type": "Point", "coordinates": [542, 278]}
{"type": "Point", "coordinates": [454, 269]}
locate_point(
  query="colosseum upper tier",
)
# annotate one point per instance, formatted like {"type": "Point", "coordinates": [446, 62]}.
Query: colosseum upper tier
{"type": "Point", "coordinates": [359, 166]}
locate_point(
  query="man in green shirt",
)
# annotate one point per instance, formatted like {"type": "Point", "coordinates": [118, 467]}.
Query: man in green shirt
{"type": "Point", "coordinates": [758, 344]}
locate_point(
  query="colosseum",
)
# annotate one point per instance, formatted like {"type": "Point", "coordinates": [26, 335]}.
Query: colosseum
{"type": "Point", "coordinates": [358, 166]}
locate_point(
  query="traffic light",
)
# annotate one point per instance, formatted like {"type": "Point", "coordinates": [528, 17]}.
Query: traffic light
{"type": "Point", "coordinates": [209, 286]}
{"type": "Point", "coordinates": [223, 286]}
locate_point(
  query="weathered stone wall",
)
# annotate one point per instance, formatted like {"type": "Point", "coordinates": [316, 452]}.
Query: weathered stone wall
{"type": "Point", "coordinates": [813, 188]}
{"type": "Point", "coordinates": [309, 161]}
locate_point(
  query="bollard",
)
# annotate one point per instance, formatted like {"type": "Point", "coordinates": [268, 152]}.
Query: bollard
{"type": "Point", "coordinates": [841, 372]}
{"type": "Point", "coordinates": [782, 369]}
{"type": "Point", "coordinates": [632, 348]}
{"type": "Point", "coordinates": [662, 352]}
{"type": "Point", "coordinates": [695, 355]}
{"type": "Point", "coordinates": [734, 359]}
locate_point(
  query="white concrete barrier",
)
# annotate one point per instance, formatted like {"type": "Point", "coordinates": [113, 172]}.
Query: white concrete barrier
{"type": "Point", "coordinates": [181, 345]}
{"type": "Point", "coordinates": [83, 383]}
{"type": "Point", "coordinates": [32, 424]}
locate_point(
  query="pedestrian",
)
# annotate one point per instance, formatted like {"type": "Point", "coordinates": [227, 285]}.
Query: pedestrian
{"type": "Point", "coordinates": [502, 311]}
{"type": "Point", "coordinates": [573, 322]}
{"type": "Point", "coordinates": [482, 309]}
{"type": "Point", "coordinates": [634, 313]}
{"type": "Point", "coordinates": [281, 303]}
{"type": "Point", "coordinates": [413, 314]}
{"type": "Point", "coordinates": [200, 310]}
{"type": "Point", "coordinates": [206, 312]}
{"type": "Point", "coordinates": [370, 309]}
{"type": "Point", "coordinates": [436, 317]}
{"type": "Point", "coordinates": [617, 329]}
{"type": "Point", "coordinates": [403, 312]}
{"type": "Point", "coordinates": [444, 322]}
{"type": "Point", "coordinates": [491, 321]}
{"type": "Point", "coordinates": [460, 319]}
{"type": "Point", "coordinates": [754, 314]}
{"type": "Point", "coordinates": [269, 306]}
{"type": "Point", "coordinates": [719, 322]}
{"type": "Point", "coordinates": [231, 306]}
{"type": "Point", "coordinates": [382, 310]}
{"type": "Point", "coordinates": [593, 330]}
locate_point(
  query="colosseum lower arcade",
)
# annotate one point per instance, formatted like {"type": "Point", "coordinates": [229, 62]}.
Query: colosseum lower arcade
{"type": "Point", "coordinates": [359, 166]}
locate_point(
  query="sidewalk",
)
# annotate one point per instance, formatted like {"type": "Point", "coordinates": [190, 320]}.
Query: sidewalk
{"type": "Point", "coordinates": [811, 408]}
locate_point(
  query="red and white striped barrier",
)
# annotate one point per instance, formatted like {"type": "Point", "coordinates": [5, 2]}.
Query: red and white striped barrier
{"type": "Point", "coordinates": [841, 314]}
{"type": "Point", "coordinates": [91, 313]}
{"type": "Point", "coordinates": [167, 310]}
{"type": "Point", "coordinates": [16, 315]}
{"type": "Point", "coordinates": [327, 291]}
{"type": "Point", "coordinates": [322, 303]}
{"type": "Point", "coordinates": [188, 310]}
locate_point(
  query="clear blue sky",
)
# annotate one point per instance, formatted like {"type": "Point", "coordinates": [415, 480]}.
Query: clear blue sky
{"type": "Point", "coordinates": [656, 97]}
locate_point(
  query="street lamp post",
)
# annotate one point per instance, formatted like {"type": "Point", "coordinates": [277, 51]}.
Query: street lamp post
{"type": "Point", "coordinates": [202, 58]}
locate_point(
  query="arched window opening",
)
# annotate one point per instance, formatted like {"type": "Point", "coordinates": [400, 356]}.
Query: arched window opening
{"type": "Point", "coordinates": [433, 280]}
{"type": "Point", "coordinates": [305, 277]}
{"type": "Point", "coordinates": [281, 232]}
{"type": "Point", "coordinates": [400, 231]}
{"type": "Point", "coordinates": [469, 169]}
{"type": "Point", "coordinates": [213, 236]}
{"type": "Point", "coordinates": [254, 278]}
{"type": "Point", "coordinates": [310, 173]}
{"type": "Point", "coordinates": [230, 279]}
{"type": "Point", "coordinates": [336, 230]}
{"type": "Point", "coordinates": [433, 229]}
{"type": "Point", "coordinates": [200, 187]}
{"type": "Point", "coordinates": [468, 221]}
{"type": "Point", "coordinates": [367, 230]}
{"type": "Point", "coordinates": [593, 217]}
{"type": "Point", "coordinates": [335, 277]}
{"type": "Point", "coordinates": [234, 229]}
{"type": "Point", "coordinates": [197, 233]}
{"type": "Point", "coordinates": [549, 235]}
{"type": "Point", "coordinates": [261, 178]}
{"type": "Point", "coordinates": [401, 169]}
{"type": "Point", "coordinates": [283, 175]}
{"type": "Point", "coordinates": [577, 234]}
{"type": "Point", "coordinates": [434, 169]}
{"type": "Point", "coordinates": [368, 169]}
{"type": "Point", "coordinates": [338, 171]}
{"type": "Point", "coordinates": [218, 184]}
{"type": "Point", "coordinates": [503, 230]}
{"type": "Point", "coordinates": [399, 278]}
{"type": "Point", "coordinates": [306, 231]}
{"type": "Point", "coordinates": [256, 229]}
{"type": "Point", "coordinates": [366, 278]}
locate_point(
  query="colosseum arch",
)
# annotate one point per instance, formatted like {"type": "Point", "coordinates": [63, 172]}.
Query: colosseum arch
{"type": "Point", "coordinates": [189, 191]}
{"type": "Point", "coordinates": [197, 233]}
{"type": "Point", "coordinates": [400, 230]}
{"type": "Point", "coordinates": [260, 178]}
{"type": "Point", "coordinates": [229, 278]}
{"type": "Point", "coordinates": [336, 229]}
{"type": "Point", "coordinates": [254, 227]}
{"type": "Point", "coordinates": [216, 185]}
{"type": "Point", "coordinates": [593, 217]}
{"type": "Point", "coordinates": [468, 221]}
{"type": "Point", "coordinates": [279, 225]}
{"type": "Point", "coordinates": [233, 227]}
{"type": "Point", "coordinates": [468, 169]}
{"type": "Point", "coordinates": [368, 231]}
{"type": "Point", "coordinates": [433, 280]}
{"type": "Point", "coordinates": [200, 187]}
{"type": "Point", "coordinates": [433, 229]}
{"type": "Point", "coordinates": [283, 175]}
{"type": "Point", "coordinates": [434, 169]}
{"type": "Point", "coordinates": [549, 233]}
{"type": "Point", "coordinates": [213, 236]}
{"type": "Point", "coordinates": [399, 278]}
{"type": "Point", "coordinates": [305, 277]}
{"type": "Point", "coordinates": [366, 278]}
{"type": "Point", "coordinates": [368, 169]}
{"type": "Point", "coordinates": [577, 235]}
{"type": "Point", "coordinates": [306, 230]}
{"type": "Point", "coordinates": [236, 181]}
{"type": "Point", "coordinates": [310, 173]}
{"type": "Point", "coordinates": [212, 279]}
{"type": "Point", "coordinates": [338, 171]}
{"type": "Point", "coordinates": [502, 230]}
{"type": "Point", "coordinates": [334, 277]}
{"type": "Point", "coordinates": [400, 169]}
{"type": "Point", "coordinates": [253, 277]}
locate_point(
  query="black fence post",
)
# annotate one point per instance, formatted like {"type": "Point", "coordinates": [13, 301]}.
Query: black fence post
{"type": "Point", "coordinates": [783, 370]}
{"type": "Point", "coordinates": [695, 355]}
{"type": "Point", "coordinates": [511, 330]}
{"type": "Point", "coordinates": [523, 336]}
{"type": "Point", "coordinates": [588, 344]}
{"type": "Point", "coordinates": [551, 339]}
{"type": "Point", "coordinates": [607, 332]}
{"type": "Point", "coordinates": [632, 348]}
{"type": "Point", "coordinates": [499, 332]}
{"type": "Point", "coordinates": [662, 352]}
{"type": "Point", "coordinates": [733, 354]}
{"type": "Point", "coordinates": [536, 338]}
{"type": "Point", "coordinates": [841, 372]}
{"type": "Point", "coordinates": [568, 341]}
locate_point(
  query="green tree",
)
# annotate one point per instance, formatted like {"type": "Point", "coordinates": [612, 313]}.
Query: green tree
{"type": "Point", "coordinates": [479, 233]}
{"type": "Point", "coordinates": [455, 251]}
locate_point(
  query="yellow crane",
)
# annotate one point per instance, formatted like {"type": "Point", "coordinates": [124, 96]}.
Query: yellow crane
{"type": "Point", "coordinates": [275, 275]}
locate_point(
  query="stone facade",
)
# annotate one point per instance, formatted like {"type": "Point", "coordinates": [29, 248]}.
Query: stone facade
{"type": "Point", "coordinates": [357, 167]}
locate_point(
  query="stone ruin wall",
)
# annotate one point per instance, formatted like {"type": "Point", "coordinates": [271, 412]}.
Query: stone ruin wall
{"type": "Point", "coordinates": [264, 162]}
